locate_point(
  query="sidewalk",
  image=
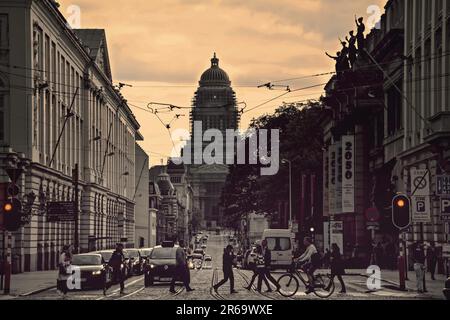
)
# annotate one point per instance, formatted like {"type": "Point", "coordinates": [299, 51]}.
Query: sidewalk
{"type": "Point", "coordinates": [30, 282]}
{"type": "Point", "coordinates": [390, 280]}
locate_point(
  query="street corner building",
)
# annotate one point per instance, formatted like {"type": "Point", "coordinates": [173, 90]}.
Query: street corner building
{"type": "Point", "coordinates": [171, 201]}
{"type": "Point", "coordinates": [387, 131]}
{"type": "Point", "coordinates": [59, 110]}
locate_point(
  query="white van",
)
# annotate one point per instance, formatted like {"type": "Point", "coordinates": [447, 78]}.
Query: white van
{"type": "Point", "coordinates": [281, 244]}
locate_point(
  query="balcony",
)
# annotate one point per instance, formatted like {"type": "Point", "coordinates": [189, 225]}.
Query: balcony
{"type": "Point", "coordinates": [440, 127]}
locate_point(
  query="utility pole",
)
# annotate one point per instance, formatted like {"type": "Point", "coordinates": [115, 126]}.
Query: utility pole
{"type": "Point", "coordinates": [75, 177]}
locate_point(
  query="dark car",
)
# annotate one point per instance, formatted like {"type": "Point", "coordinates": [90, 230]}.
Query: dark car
{"type": "Point", "coordinates": [95, 272]}
{"type": "Point", "coordinates": [160, 264]}
{"type": "Point", "coordinates": [145, 252]}
{"type": "Point", "coordinates": [198, 254]}
{"type": "Point", "coordinates": [135, 262]}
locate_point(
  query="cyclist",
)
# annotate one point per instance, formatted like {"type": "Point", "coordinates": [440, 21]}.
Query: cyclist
{"type": "Point", "coordinates": [310, 261]}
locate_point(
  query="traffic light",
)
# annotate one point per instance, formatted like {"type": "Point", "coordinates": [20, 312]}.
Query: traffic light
{"type": "Point", "coordinates": [401, 211]}
{"type": "Point", "coordinates": [12, 214]}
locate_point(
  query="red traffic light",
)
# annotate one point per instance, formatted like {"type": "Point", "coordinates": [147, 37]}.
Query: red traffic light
{"type": "Point", "coordinates": [8, 207]}
{"type": "Point", "coordinates": [400, 203]}
{"type": "Point", "coordinates": [12, 214]}
{"type": "Point", "coordinates": [401, 211]}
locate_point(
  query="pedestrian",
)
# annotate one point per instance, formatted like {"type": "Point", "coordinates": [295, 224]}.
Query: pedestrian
{"type": "Point", "coordinates": [64, 273]}
{"type": "Point", "coordinates": [227, 267]}
{"type": "Point", "coordinates": [187, 272]}
{"type": "Point", "coordinates": [419, 266]}
{"type": "Point", "coordinates": [258, 270]}
{"type": "Point", "coordinates": [267, 264]}
{"type": "Point", "coordinates": [116, 263]}
{"type": "Point", "coordinates": [432, 259]}
{"type": "Point", "coordinates": [326, 258]}
{"type": "Point", "coordinates": [181, 270]}
{"type": "Point", "coordinates": [337, 265]}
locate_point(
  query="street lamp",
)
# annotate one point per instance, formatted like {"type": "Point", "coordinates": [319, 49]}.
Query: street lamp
{"type": "Point", "coordinates": [284, 161]}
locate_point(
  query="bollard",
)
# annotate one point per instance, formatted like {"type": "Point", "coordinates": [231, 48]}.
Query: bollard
{"type": "Point", "coordinates": [401, 272]}
{"type": "Point", "coordinates": [7, 284]}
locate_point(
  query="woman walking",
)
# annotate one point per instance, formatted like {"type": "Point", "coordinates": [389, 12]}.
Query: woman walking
{"type": "Point", "coordinates": [65, 260]}
{"type": "Point", "coordinates": [337, 266]}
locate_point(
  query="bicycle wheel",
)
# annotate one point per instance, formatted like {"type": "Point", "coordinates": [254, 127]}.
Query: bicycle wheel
{"type": "Point", "coordinates": [288, 285]}
{"type": "Point", "coordinates": [323, 286]}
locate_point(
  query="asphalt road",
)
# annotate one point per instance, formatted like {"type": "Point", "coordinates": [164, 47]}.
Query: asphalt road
{"type": "Point", "coordinates": [202, 280]}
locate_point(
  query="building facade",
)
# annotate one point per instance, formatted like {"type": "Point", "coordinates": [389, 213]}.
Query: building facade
{"type": "Point", "coordinates": [144, 218]}
{"type": "Point", "coordinates": [56, 85]}
{"type": "Point", "coordinates": [387, 123]}
{"type": "Point", "coordinates": [214, 107]}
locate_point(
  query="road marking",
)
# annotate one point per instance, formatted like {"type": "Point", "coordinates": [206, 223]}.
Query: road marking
{"type": "Point", "coordinates": [118, 290]}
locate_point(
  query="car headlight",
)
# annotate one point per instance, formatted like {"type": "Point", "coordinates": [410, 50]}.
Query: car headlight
{"type": "Point", "coordinates": [96, 273]}
{"type": "Point", "coordinates": [152, 266]}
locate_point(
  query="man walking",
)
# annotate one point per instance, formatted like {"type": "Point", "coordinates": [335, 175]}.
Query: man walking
{"type": "Point", "coordinates": [180, 270]}
{"type": "Point", "coordinates": [419, 267]}
{"type": "Point", "coordinates": [228, 262]}
{"type": "Point", "coordinates": [432, 259]}
{"type": "Point", "coordinates": [267, 264]}
{"type": "Point", "coordinates": [116, 263]}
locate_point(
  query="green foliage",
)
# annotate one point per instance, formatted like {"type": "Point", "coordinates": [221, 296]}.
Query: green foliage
{"type": "Point", "coordinates": [301, 142]}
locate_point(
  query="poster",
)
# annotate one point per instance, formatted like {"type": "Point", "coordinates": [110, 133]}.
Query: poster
{"type": "Point", "coordinates": [348, 174]}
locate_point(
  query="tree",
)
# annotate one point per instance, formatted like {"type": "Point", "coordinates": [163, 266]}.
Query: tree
{"type": "Point", "coordinates": [301, 141]}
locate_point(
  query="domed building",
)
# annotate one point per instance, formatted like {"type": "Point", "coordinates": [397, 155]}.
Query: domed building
{"type": "Point", "coordinates": [214, 103]}
{"type": "Point", "coordinates": [214, 107]}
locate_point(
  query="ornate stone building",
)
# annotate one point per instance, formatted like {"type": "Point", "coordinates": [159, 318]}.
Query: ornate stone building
{"type": "Point", "coordinates": [58, 81]}
{"type": "Point", "coordinates": [214, 107]}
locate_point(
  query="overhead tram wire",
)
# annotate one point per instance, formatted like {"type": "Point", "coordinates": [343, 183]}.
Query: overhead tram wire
{"type": "Point", "coordinates": [69, 94]}
{"type": "Point", "coordinates": [284, 94]}
{"type": "Point", "coordinates": [431, 57]}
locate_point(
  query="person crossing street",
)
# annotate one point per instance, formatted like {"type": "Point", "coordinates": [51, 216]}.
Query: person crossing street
{"type": "Point", "coordinates": [228, 262]}
{"type": "Point", "coordinates": [267, 265]}
{"type": "Point", "coordinates": [116, 263]}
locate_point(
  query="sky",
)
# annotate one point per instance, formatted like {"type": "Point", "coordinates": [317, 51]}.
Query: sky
{"type": "Point", "coordinates": [161, 48]}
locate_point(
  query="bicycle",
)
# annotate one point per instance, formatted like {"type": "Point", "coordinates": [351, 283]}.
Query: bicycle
{"type": "Point", "coordinates": [289, 283]}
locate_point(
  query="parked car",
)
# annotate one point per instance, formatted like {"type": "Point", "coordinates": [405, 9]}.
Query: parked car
{"type": "Point", "coordinates": [145, 253]}
{"type": "Point", "coordinates": [106, 254]}
{"type": "Point", "coordinates": [95, 272]}
{"type": "Point", "coordinates": [249, 259]}
{"type": "Point", "coordinates": [126, 265]}
{"type": "Point", "coordinates": [160, 264]}
{"type": "Point", "coordinates": [198, 254]}
{"type": "Point", "coordinates": [203, 246]}
{"type": "Point", "coordinates": [207, 262]}
{"type": "Point", "coordinates": [135, 262]}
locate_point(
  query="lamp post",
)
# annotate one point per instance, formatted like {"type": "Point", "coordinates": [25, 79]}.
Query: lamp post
{"type": "Point", "coordinates": [284, 161]}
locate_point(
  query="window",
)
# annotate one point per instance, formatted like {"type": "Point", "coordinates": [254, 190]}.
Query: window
{"type": "Point", "coordinates": [278, 244]}
{"type": "Point", "coordinates": [175, 179]}
{"type": "Point", "coordinates": [394, 110]}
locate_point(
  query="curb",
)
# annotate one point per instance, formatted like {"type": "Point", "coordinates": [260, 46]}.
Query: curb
{"type": "Point", "coordinates": [36, 291]}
